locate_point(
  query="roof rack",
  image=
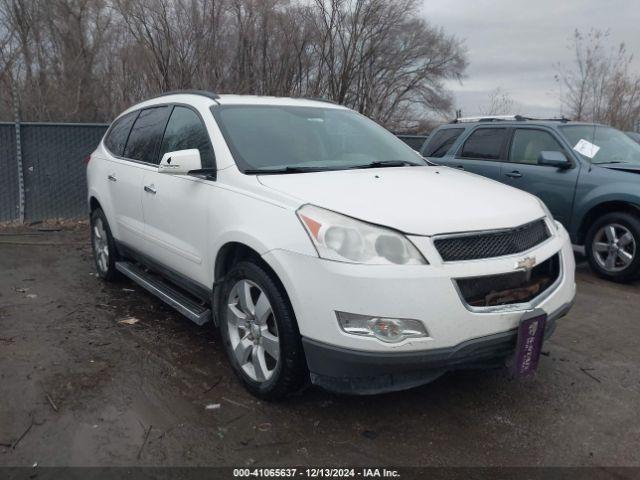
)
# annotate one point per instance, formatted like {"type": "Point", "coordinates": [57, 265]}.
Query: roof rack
{"type": "Point", "coordinates": [202, 93]}
{"type": "Point", "coordinates": [507, 118]}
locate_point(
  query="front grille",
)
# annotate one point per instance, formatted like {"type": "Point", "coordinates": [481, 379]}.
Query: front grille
{"type": "Point", "coordinates": [492, 244]}
{"type": "Point", "coordinates": [509, 288]}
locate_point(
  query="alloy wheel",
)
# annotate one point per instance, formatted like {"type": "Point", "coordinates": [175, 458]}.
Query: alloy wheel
{"type": "Point", "coordinates": [253, 331]}
{"type": "Point", "coordinates": [100, 245]}
{"type": "Point", "coordinates": [614, 247]}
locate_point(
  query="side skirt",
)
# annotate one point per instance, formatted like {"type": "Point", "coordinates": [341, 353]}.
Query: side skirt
{"type": "Point", "coordinates": [186, 296]}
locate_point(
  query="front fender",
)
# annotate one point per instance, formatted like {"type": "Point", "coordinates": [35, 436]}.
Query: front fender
{"type": "Point", "coordinates": [260, 226]}
{"type": "Point", "coordinates": [587, 200]}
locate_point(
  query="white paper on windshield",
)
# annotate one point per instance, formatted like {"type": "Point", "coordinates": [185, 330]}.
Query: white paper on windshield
{"type": "Point", "coordinates": [587, 149]}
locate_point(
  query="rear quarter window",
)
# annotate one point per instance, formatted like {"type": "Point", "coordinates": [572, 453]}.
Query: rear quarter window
{"type": "Point", "coordinates": [116, 139]}
{"type": "Point", "coordinates": [441, 142]}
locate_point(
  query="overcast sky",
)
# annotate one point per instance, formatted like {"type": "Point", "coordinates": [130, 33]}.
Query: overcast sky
{"type": "Point", "coordinates": [515, 44]}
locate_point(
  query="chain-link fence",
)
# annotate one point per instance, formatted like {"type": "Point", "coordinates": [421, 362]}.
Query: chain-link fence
{"type": "Point", "coordinates": [9, 190]}
{"type": "Point", "coordinates": [52, 159]}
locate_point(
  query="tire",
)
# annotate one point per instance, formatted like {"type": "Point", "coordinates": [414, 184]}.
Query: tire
{"type": "Point", "coordinates": [267, 372]}
{"type": "Point", "coordinates": [103, 247]}
{"type": "Point", "coordinates": [613, 247]}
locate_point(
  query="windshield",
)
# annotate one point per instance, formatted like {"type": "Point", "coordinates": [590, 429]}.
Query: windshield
{"type": "Point", "coordinates": [290, 139]}
{"type": "Point", "coordinates": [611, 145]}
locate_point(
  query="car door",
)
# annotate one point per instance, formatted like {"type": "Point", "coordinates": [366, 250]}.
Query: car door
{"type": "Point", "coordinates": [556, 187]}
{"type": "Point", "coordinates": [126, 174]}
{"type": "Point", "coordinates": [483, 152]}
{"type": "Point", "coordinates": [176, 206]}
{"type": "Point", "coordinates": [124, 181]}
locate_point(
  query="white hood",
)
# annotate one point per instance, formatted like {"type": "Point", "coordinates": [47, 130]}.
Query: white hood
{"type": "Point", "coordinates": [413, 200]}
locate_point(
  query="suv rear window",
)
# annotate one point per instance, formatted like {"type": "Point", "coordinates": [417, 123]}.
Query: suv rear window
{"type": "Point", "coordinates": [485, 144]}
{"type": "Point", "coordinates": [441, 141]}
{"type": "Point", "coordinates": [146, 135]}
{"type": "Point", "coordinates": [119, 132]}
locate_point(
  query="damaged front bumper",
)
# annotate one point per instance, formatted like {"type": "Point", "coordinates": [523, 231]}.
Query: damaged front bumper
{"type": "Point", "coordinates": [343, 370]}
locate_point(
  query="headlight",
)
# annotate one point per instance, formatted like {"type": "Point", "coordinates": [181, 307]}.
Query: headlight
{"type": "Point", "coordinates": [344, 239]}
{"type": "Point", "coordinates": [549, 215]}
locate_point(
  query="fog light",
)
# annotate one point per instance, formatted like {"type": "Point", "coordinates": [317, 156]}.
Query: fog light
{"type": "Point", "coordinates": [391, 330]}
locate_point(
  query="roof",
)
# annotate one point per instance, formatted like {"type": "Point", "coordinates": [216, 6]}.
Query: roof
{"type": "Point", "coordinates": [228, 99]}
{"type": "Point", "coordinates": [205, 99]}
{"type": "Point", "coordinates": [508, 118]}
{"type": "Point", "coordinates": [514, 123]}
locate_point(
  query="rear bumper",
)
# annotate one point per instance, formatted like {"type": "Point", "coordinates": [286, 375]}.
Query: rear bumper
{"type": "Point", "coordinates": [360, 372]}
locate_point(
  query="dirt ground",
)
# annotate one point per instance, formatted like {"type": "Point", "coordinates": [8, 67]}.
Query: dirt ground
{"type": "Point", "coordinates": [79, 388]}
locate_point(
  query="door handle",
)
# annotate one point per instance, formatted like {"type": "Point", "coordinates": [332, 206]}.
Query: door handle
{"type": "Point", "coordinates": [150, 189]}
{"type": "Point", "coordinates": [112, 177]}
{"type": "Point", "coordinates": [460, 167]}
{"type": "Point", "coordinates": [514, 174]}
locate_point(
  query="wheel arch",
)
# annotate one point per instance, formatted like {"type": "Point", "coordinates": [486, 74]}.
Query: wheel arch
{"type": "Point", "coordinates": [229, 255]}
{"type": "Point", "coordinates": [94, 204]}
{"type": "Point", "coordinates": [602, 209]}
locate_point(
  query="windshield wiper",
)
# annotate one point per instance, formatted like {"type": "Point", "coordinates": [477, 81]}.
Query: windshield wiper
{"type": "Point", "coordinates": [276, 171]}
{"type": "Point", "coordinates": [389, 163]}
{"type": "Point", "coordinates": [307, 169]}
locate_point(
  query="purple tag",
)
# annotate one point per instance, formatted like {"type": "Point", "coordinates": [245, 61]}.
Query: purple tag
{"type": "Point", "coordinates": [530, 337]}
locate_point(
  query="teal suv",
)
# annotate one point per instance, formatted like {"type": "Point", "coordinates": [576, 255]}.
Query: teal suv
{"type": "Point", "coordinates": [588, 176]}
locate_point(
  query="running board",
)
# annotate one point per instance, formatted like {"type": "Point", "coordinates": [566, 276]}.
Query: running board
{"type": "Point", "coordinates": [190, 308]}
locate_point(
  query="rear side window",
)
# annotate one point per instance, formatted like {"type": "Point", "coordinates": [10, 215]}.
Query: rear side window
{"type": "Point", "coordinates": [119, 132]}
{"type": "Point", "coordinates": [441, 142]}
{"type": "Point", "coordinates": [484, 144]}
{"type": "Point", "coordinates": [146, 135]}
{"type": "Point", "coordinates": [184, 131]}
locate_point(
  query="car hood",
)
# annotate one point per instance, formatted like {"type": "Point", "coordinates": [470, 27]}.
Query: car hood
{"type": "Point", "coordinates": [623, 167]}
{"type": "Point", "coordinates": [413, 200]}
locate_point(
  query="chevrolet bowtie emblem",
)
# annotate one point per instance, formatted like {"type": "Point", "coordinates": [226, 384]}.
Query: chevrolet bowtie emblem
{"type": "Point", "coordinates": [526, 263]}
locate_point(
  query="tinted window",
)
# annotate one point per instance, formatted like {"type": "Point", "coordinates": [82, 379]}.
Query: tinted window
{"type": "Point", "coordinates": [119, 132]}
{"type": "Point", "coordinates": [146, 134]}
{"type": "Point", "coordinates": [441, 141]}
{"type": "Point", "coordinates": [185, 130]}
{"type": "Point", "coordinates": [484, 143]}
{"type": "Point", "coordinates": [527, 145]}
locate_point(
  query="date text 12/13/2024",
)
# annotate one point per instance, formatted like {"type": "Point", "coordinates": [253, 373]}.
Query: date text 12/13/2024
{"type": "Point", "coordinates": [310, 472]}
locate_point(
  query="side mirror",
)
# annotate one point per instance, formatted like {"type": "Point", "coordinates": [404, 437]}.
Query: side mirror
{"type": "Point", "coordinates": [553, 159]}
{"type": "Point", "coordinates": [180, 162]}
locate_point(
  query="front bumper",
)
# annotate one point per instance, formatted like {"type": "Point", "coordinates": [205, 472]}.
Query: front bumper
{"type": "Point", "coordinates": [318, 288]}
{"type": "Point", "coordinates": [350, 371]}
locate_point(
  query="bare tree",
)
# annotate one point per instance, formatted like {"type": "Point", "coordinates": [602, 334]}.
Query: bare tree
{"type": "Point", "coordinates": [380, 58]}
{"type": "Point", "coordinates": [88, 59]}
{"type": "Point", "coordinates": [600, 85]}
{"type": "Point", "coordinates": [499, 103]}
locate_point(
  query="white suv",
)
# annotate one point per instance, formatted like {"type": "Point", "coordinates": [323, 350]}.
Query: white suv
{"type": "Point", "coordinates": [322, 247]}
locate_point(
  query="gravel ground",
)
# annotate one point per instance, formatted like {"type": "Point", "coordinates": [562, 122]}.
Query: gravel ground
{"type": "Point", "coordinates": [80, 388]}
